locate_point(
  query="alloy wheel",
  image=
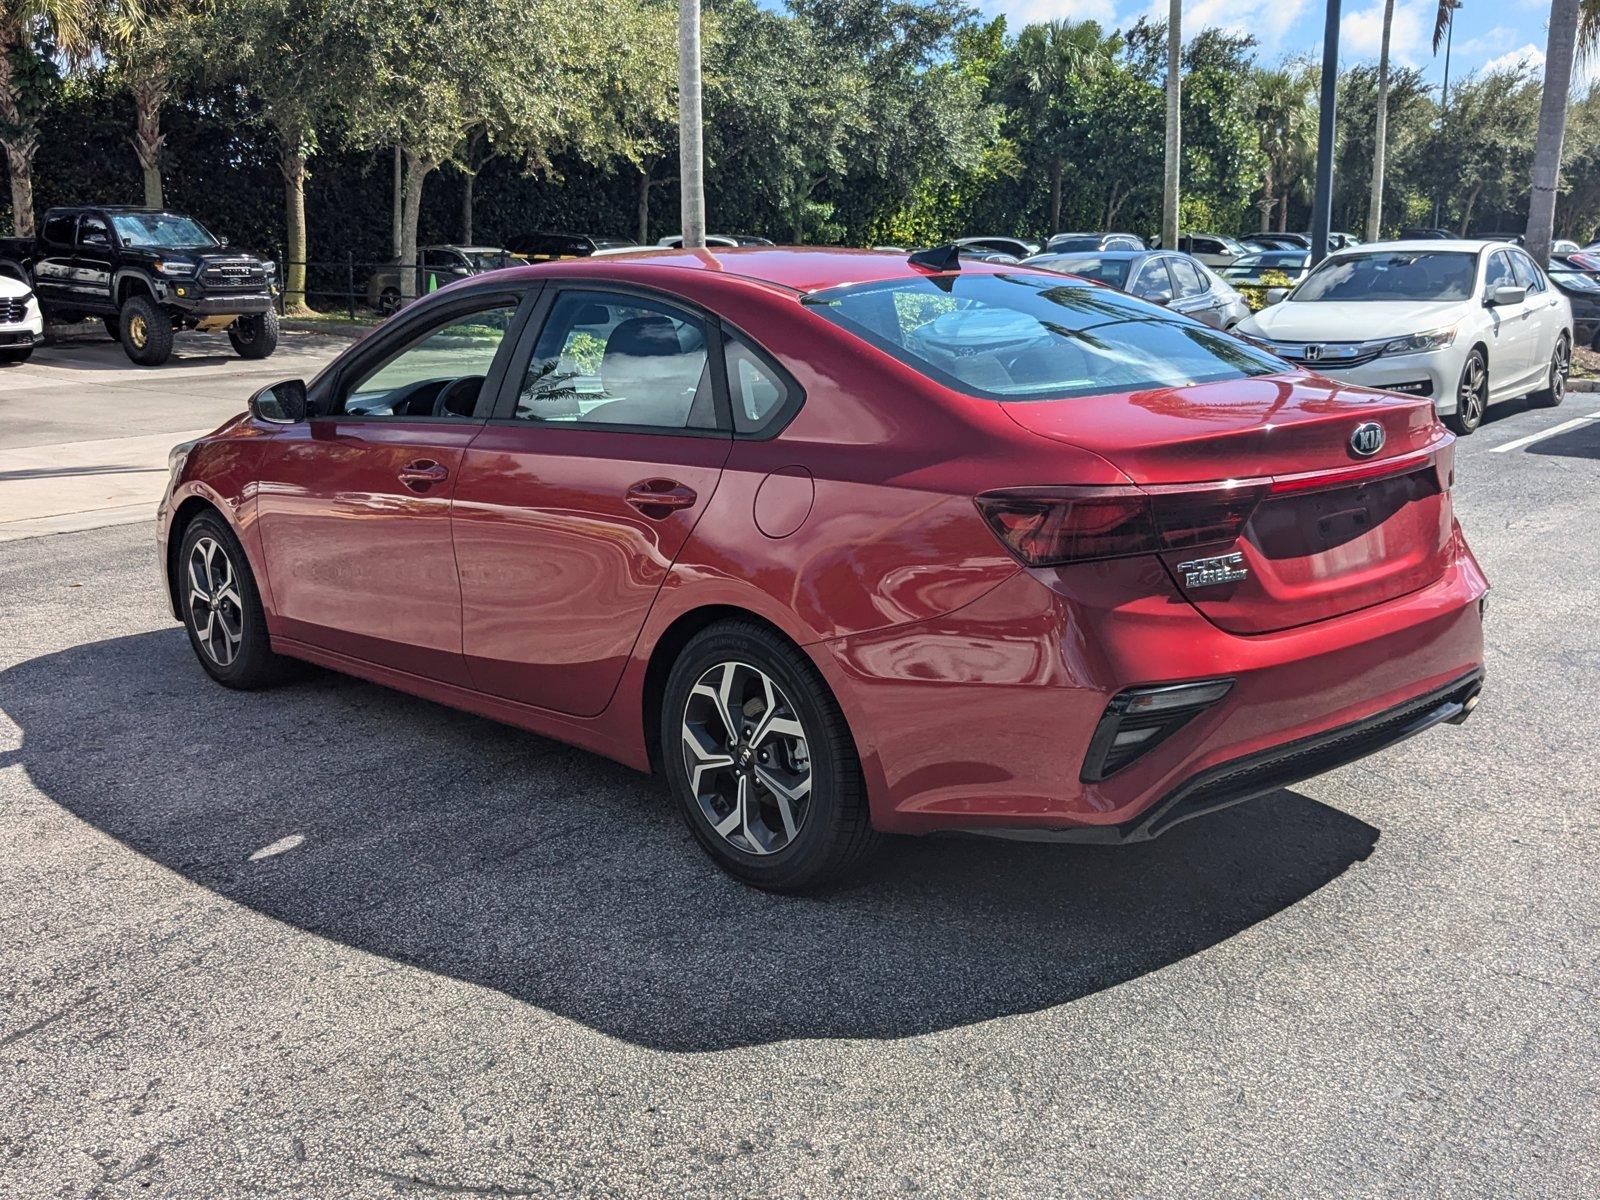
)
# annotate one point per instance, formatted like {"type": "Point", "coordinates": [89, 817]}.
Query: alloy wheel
{"type": "Point", "coordinates": [1474, 385]}
{"type": "Point", "coordinates": [1559, 366]}
{"type": "Point", "coordinates": [138, 330]}
{"type": "Point", "coordinates": [747, 758]}
{"type": "Point", "coordinates": [216, 610]}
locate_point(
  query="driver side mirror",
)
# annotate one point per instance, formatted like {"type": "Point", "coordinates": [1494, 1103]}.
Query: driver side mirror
{"type": "Point", "coordinates": [281, 403]}
{"type": "Point", "coordinates": [1507, 296]}
{"type": "Point", "coordinates": [1276, 294]}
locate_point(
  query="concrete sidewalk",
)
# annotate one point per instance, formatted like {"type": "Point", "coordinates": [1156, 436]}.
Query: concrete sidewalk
{"type": "Point", "coordinates": [84, 434]}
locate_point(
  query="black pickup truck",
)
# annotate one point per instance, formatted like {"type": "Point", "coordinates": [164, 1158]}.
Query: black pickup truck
{"type": "Point", "coordinates": [148, 275]}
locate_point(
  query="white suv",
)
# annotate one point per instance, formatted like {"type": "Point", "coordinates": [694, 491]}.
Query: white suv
{"type": "Point", "coordinates": [1464, 322]}
{"type": "Point", "coordinates": [21, 321]}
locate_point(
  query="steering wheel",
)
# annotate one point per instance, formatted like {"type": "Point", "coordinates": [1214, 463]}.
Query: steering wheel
{"type": "Point", "coordinates": [457, 394]}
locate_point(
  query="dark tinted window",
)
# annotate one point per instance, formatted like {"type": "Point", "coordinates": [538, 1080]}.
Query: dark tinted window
{"type": "Point", "coordinates": [1392, 275]}
{"type": "Point", "coordinates": [619, 360]}
{"type": "Point", "coordinates": [1067, 245]}
{"type": "Point", "coordinates": [58, 231]}
{"type": "Point", "coordinates": [1031, 337]}
{"type": "Point", "coordinates": [1113, 271]}
{"type": "Point", "coordinates": [93, 233]}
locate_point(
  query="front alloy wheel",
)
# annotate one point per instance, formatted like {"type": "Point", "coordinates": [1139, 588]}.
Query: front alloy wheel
{"type": "Point", "coordinates": [216, 609]}
{"type": "Point", "coordinates": [747, 757]}
{"type": "Point", "coordinates": [1472, 395]}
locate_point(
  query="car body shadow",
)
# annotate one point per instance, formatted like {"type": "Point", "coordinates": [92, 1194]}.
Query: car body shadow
{"type": "Point", "coordinates": [462, 847]}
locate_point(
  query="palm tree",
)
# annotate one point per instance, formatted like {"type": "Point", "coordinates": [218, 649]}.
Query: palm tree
{"type": "Point", "coordinates": [1283, 117]}
{"type": "Point", "coordinates": [70, 26]}
{"type": "Point", "coordinates": [1574, 31]}
{"type": "Point", "coordinates": [146, 53]}
{"type": "Point", "coordinates": [1174, 147]}
{"type": "Point", "coordinates": [1041, 66]}
{"type": "Point", "coordinates": [1381, 134]}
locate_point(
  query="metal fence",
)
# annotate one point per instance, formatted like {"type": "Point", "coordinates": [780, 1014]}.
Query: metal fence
{"type": "Point", "coordinates": [378, 287]}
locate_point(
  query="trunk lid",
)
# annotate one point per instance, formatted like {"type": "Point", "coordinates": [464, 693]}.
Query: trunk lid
{"type": "Point", "coordinates": [1334, 531]}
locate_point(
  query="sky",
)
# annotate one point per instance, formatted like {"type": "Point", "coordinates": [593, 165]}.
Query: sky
{"type": "Point", "coordinates": [1487, 35]}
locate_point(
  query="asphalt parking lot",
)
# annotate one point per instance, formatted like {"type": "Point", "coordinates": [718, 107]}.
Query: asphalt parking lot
{"type": "Point", "coordinates": [334, 941]}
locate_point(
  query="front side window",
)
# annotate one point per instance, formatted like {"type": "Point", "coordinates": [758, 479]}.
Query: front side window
{"type": "Point", "coordinates": [1030, 337]}
{"type": "Point", "coordinates": [1499, 274]}
{"type": "Point", "coordinates": [92, 233]}
{"type": "Point", "coordinates": [1392, 275]}
{"type": "Point", "coordinates": [436, 376]}
{"type": "Point", "coordinates": [160, 230]}
{"type": "Point", "coordinates": [1189, 281]}
{"type": "Point", "coordinates": [619, 360]}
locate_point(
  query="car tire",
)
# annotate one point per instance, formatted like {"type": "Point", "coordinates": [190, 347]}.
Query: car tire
{"type": "Point", "coordinates": [780, 802]}
{"type": "Point", "coordinates": [16, 357]}
{"type": "Point", "coordinates": [222, 610]}
{"type": "Point", "coordinates": [1472, 395]}
{"type": "Point", "coordinates": [1555, 389]}
{"type": "Point", "coordinates": [145, 332]}
{"type": "Point", "coordinates": [255, 336]}
{"type": "Point", "coordinates": [389, 301]}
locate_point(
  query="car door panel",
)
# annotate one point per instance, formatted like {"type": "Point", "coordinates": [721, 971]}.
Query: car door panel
{"type": "Point", "coordinates": [558, 567]}
{"type": "Point", "coordinates": [567, 520]}
{"type": "Point", "coordinates": [52, 267]}
{"type": "Point", "coordinates": [92, 265]}
{"type": "Point", "coordinates": [354, 520]}
{"type": "Point", "coordinates": [353, 507]}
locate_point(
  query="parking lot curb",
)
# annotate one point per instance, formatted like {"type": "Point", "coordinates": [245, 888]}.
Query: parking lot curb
{"type": "Point", "coordinates": [1583, 385]}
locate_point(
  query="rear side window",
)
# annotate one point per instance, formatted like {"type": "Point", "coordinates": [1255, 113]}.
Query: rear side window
{"type": "Point", "coordinates": [1527, 274]}
{"type": "Point", "coordinates": [605, 359]}
{"type": "Point", "coordinates": [1030, 337]}
{"type": "Point", "coordinates": [1153, 283]}
{"type": "Point", "coordinates": [58, 231]}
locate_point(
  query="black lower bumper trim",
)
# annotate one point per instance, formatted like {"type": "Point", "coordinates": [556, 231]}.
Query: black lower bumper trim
{"type": "Point", "coordinates": [1257, 774]}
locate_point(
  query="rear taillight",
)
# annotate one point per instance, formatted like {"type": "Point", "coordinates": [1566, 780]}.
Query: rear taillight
{"type": "Point", "coordinates": [1050, 526]}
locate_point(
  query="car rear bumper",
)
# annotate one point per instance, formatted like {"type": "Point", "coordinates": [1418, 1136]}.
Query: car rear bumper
{"type": "Point", "coordinates": [981, 720]}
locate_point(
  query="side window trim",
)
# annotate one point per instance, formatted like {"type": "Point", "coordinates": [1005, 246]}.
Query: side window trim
{"type": "Point", "coordinates": [421, 323]}
{"type": "Point", "coordinates": [794, 395]}
{"type": "Point", "coordinates": [504, 410]}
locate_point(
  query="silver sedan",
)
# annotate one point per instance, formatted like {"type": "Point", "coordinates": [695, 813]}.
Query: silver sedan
{"type": "Point", "coordinates": [1162, 277]}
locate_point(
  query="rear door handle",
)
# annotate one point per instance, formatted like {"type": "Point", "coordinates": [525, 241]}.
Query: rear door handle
{"type": "Point", "coordinates": [422, 474]}
{"type": "Point", "coordinates": [659, 497]}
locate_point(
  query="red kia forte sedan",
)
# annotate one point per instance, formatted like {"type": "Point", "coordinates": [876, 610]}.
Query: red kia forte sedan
{"type": "Point", "coordinates": [846, 544]}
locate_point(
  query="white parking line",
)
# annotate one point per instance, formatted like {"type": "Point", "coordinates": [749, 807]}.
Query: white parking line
{"type": "Point", "coordinates": [1544, 433]}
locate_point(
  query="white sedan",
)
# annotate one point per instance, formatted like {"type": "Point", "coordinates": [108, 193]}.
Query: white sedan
{"type": "Point", "coordinates": [1464, 322]}
{"type": "Point", "coordinates": [21, 321]}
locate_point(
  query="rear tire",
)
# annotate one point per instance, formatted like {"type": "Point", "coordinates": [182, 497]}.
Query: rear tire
{"type": "Point", "coordinates": [145, 331]}
{"type": "Point", "coordinates": [1472, 395]}
{"type": "Point", "coordinates": [1555, 389]}
{"type": "Point", "coordinates": [389, 301]}
{"type": "Point", "coordinates": [222, 608]}
{"type": "Point", "coordinates": [255, 336]}
{"type": "Point", "coordinates": [778, 802]}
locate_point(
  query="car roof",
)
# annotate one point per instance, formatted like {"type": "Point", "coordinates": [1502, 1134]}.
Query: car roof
{"type": "Point", "coordinates": [789, 268]}
{"type": "Point", "coordinates": [1113, 254]}
{"type": "Point", "coordinates": [1465, 245]}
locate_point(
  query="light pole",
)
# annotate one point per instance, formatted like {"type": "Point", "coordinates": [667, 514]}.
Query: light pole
{"type": "Point", "coordinates": [1322, 196]}
{"type": "Point", "coordinates": [1174, 147]}
{"type": "Point", "coordinates": [691, 143]}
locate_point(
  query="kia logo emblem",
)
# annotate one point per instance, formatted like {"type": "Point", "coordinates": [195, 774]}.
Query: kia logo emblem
{"type": "Point", "coordinates": [1367, 439]}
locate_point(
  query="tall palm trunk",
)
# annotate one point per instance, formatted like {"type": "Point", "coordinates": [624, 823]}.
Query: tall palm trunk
{"type": "Point", "coordinates": [644, 206]}
{"type": "Point", "coordinates": [21, 143]}
{"type": "Point", "coordinates": [1174, 148]}
{"type": "Point", "coordinates": [1559, 53]}
{"type": "Point", "coordinates": [149, 93]}
{"type": "Point", "coordinates": [396, 220]}
{"type": "Point", "coordinates": [1380, 137]}
{"type": "Point", "coordinates": [467, 188]}
{"type": "Point", "coordinates": [1057, 169]}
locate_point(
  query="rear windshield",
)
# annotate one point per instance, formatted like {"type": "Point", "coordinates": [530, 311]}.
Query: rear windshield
{"type": "Point", "coordinates": [1030, 337]}
{"type": "Point", "coordinates": [1113, 271]}
{"type": "Point", "coordinates": [1393, 275]}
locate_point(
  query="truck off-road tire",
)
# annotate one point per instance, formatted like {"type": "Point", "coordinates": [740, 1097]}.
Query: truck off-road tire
{"type": "Point", "coordinates": [255, 336]}
{"type": "Point", "coordinates": [145, 331]}
{"type": "Point", "coordinates": [389, 301]}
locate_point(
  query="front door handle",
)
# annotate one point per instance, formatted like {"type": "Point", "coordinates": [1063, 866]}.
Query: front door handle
{"type": "Point", "coordinates": [423, 474]}
{"type": "Point", "coordinates": [659, 498]}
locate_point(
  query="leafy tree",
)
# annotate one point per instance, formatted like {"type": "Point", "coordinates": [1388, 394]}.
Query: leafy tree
{"type": "Point", "coordinates": [1574, 35]}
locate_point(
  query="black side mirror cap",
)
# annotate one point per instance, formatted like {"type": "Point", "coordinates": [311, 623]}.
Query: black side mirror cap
{"type": "Point", "coordinates": [281, 403]}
